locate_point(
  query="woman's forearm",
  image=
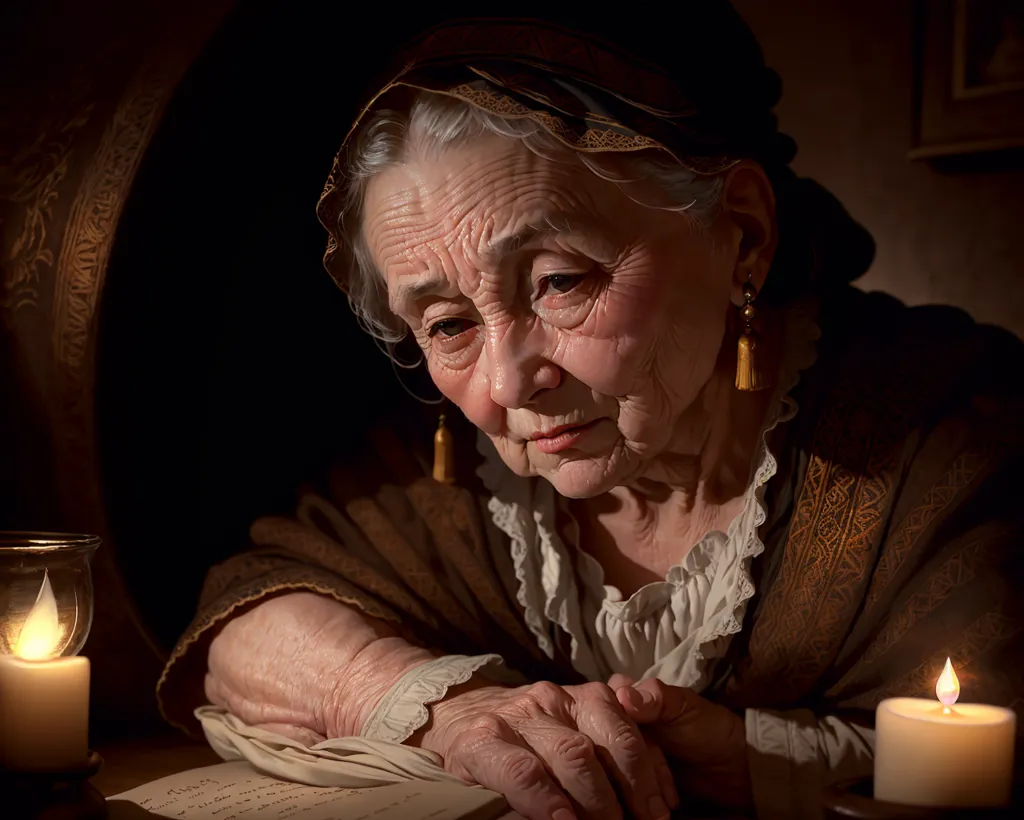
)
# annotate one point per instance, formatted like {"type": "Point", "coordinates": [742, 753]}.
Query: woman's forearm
{"type": "Point", "coordinates": [306, 663]}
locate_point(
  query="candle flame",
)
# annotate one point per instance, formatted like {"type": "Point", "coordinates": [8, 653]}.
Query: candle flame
{"type": "Point", "coordinates": [40, 635]}
{"type": "Point", "coordinates": [947, 688]}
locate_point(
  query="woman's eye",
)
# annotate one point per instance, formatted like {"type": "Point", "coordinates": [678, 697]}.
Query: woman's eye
{"type": "Point", "coordinates": [561, 282]}
{"type": "Point", "coordinates": [450, 327]}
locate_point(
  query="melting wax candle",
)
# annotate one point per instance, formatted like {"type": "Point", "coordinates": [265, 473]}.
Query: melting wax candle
{"type": "Point", "coordinates": [44, 701]}
{"type": "Point", "coordinates": [935, 753]}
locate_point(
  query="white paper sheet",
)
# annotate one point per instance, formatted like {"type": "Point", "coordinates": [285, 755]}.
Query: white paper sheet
{"type": "Point", "coordinates": [236, 791]}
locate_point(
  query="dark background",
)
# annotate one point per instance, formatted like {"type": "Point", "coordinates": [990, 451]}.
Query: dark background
{"type": "Point", "coordinates": [230, 366]}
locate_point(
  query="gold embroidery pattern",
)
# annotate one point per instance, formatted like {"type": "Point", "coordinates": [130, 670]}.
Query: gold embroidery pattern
{"type": "Point", "coordinates": [959, 477]}
{"type": "Point", "coordinates": [840, 517]}
{"type": "Point", "coordinates": [958, 570]}
{"type": "Point", "coordinates": [591, 139]}
{"type": "Point", "coordinates": [838, 521]}
{"type": "Point", "coordinates": [235, 572]}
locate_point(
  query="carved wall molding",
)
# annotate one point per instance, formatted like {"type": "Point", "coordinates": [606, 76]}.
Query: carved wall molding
{"type": "Point", "coordinates": [91, 226]}
{"type": "Point", "coordinates": [32, 183]}
{"type": "Point", "coordinates": [81, 265]}
{"type": "Point", "coordinates": [80, 271]}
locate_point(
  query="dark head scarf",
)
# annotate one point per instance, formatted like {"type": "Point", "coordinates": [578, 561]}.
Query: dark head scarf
{"type": "Point", "coordinates": [624, 80]}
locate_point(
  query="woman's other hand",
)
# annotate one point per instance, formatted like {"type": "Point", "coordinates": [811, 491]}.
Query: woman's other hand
{"type": "Point", "coordinates": [708, 740]}
{"type": "Point", "coordinates": [552, 751]}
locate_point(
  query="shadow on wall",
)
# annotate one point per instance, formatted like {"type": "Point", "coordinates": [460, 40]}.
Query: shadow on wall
{"type": "Point", "coordinates": [230, 366]}
{"type": "Point", "coordinates": [946, 232]}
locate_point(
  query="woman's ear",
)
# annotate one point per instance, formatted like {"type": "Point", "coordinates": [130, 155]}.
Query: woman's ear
{"type": "Point", "coordinates": [748, 208]}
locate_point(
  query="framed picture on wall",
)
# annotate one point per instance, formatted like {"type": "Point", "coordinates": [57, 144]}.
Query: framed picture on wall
{"type": "Point", "coordinates": [970, 77]}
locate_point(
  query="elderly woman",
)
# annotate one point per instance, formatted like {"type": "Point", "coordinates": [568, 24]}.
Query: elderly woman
{"type": "Point", "coordinates": [724, 503]}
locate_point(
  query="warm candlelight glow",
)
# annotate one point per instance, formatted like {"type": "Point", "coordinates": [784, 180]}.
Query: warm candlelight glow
{"type": "Point", "coordinates": [40, 635]}
{"type": "Point", "coordinates": [947, 688]}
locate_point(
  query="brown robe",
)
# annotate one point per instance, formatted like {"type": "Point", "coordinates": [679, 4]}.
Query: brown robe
{"type": "Point", "coordinates": [894, 537]}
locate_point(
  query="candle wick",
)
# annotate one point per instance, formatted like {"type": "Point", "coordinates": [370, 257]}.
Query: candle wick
{"type": "Point", "coordinates": [946, 710]}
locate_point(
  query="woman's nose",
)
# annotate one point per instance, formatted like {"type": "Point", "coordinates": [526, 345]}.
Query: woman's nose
{"type": "Point", "coordinates": [516, 373]}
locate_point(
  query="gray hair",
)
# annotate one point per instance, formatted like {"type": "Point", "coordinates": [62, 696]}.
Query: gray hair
{"type": "Point", "coordinates": [437, 121]}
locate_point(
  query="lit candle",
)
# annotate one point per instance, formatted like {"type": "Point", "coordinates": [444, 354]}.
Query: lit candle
{"type": "Point", "coordinates": [935, 754]}
{"type": "Point", "coordinates": [44, 701]}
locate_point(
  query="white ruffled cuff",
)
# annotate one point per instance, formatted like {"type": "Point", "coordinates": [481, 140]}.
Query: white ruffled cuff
{"type": "Point", "coordinates": [794, 756]}
{"type": "Point", "coordinates": [403, 709]}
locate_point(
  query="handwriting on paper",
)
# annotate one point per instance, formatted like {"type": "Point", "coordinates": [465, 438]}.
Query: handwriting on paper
{"type": "Point", "coordinates": [234, 791]}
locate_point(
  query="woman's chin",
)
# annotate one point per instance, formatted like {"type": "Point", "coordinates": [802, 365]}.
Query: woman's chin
{"type": "Point", "coordinates": [583, 477]}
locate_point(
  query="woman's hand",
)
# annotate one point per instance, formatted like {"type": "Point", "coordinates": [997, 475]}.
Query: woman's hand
{"type": "Point", "coordinates": [706, 742]}
{"type": "Point", "coordinates": [552, 751]}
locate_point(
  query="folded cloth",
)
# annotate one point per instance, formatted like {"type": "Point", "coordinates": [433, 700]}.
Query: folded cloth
{"type": "Point", "coordinates": [344, 762]}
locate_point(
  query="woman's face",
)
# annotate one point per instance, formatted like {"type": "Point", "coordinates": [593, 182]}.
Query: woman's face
{"type": "Point", "coordinates": [573, 326]}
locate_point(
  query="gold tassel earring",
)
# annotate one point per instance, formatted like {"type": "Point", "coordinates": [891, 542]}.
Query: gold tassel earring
{"type": "Point", "coordinates": [444, 454]}
{"type": "Point", "coordinates": [748, 376]}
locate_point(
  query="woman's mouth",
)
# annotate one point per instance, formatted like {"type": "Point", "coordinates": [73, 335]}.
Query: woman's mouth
{"type": "Point", "coordinates": [561, 438]}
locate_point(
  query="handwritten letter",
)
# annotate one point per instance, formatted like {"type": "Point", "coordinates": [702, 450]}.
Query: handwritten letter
{"type": "Point", "coordinates": [235, 791]}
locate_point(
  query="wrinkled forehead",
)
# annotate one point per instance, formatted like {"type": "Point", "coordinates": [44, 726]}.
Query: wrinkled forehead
{"type": "Point", "coordinates": [469, 194]}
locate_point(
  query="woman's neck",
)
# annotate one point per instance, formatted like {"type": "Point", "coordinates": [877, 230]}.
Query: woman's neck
{"type": "Point", "coordinates": [697, 485]}
{"type": "Point", "coordinates": [709, 456]}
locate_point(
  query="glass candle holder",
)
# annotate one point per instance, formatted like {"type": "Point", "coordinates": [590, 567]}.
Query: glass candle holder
{"type": "Point", "coordinates": [46, 605]}
{"type": "Point", "coordinates": [46, 597]}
